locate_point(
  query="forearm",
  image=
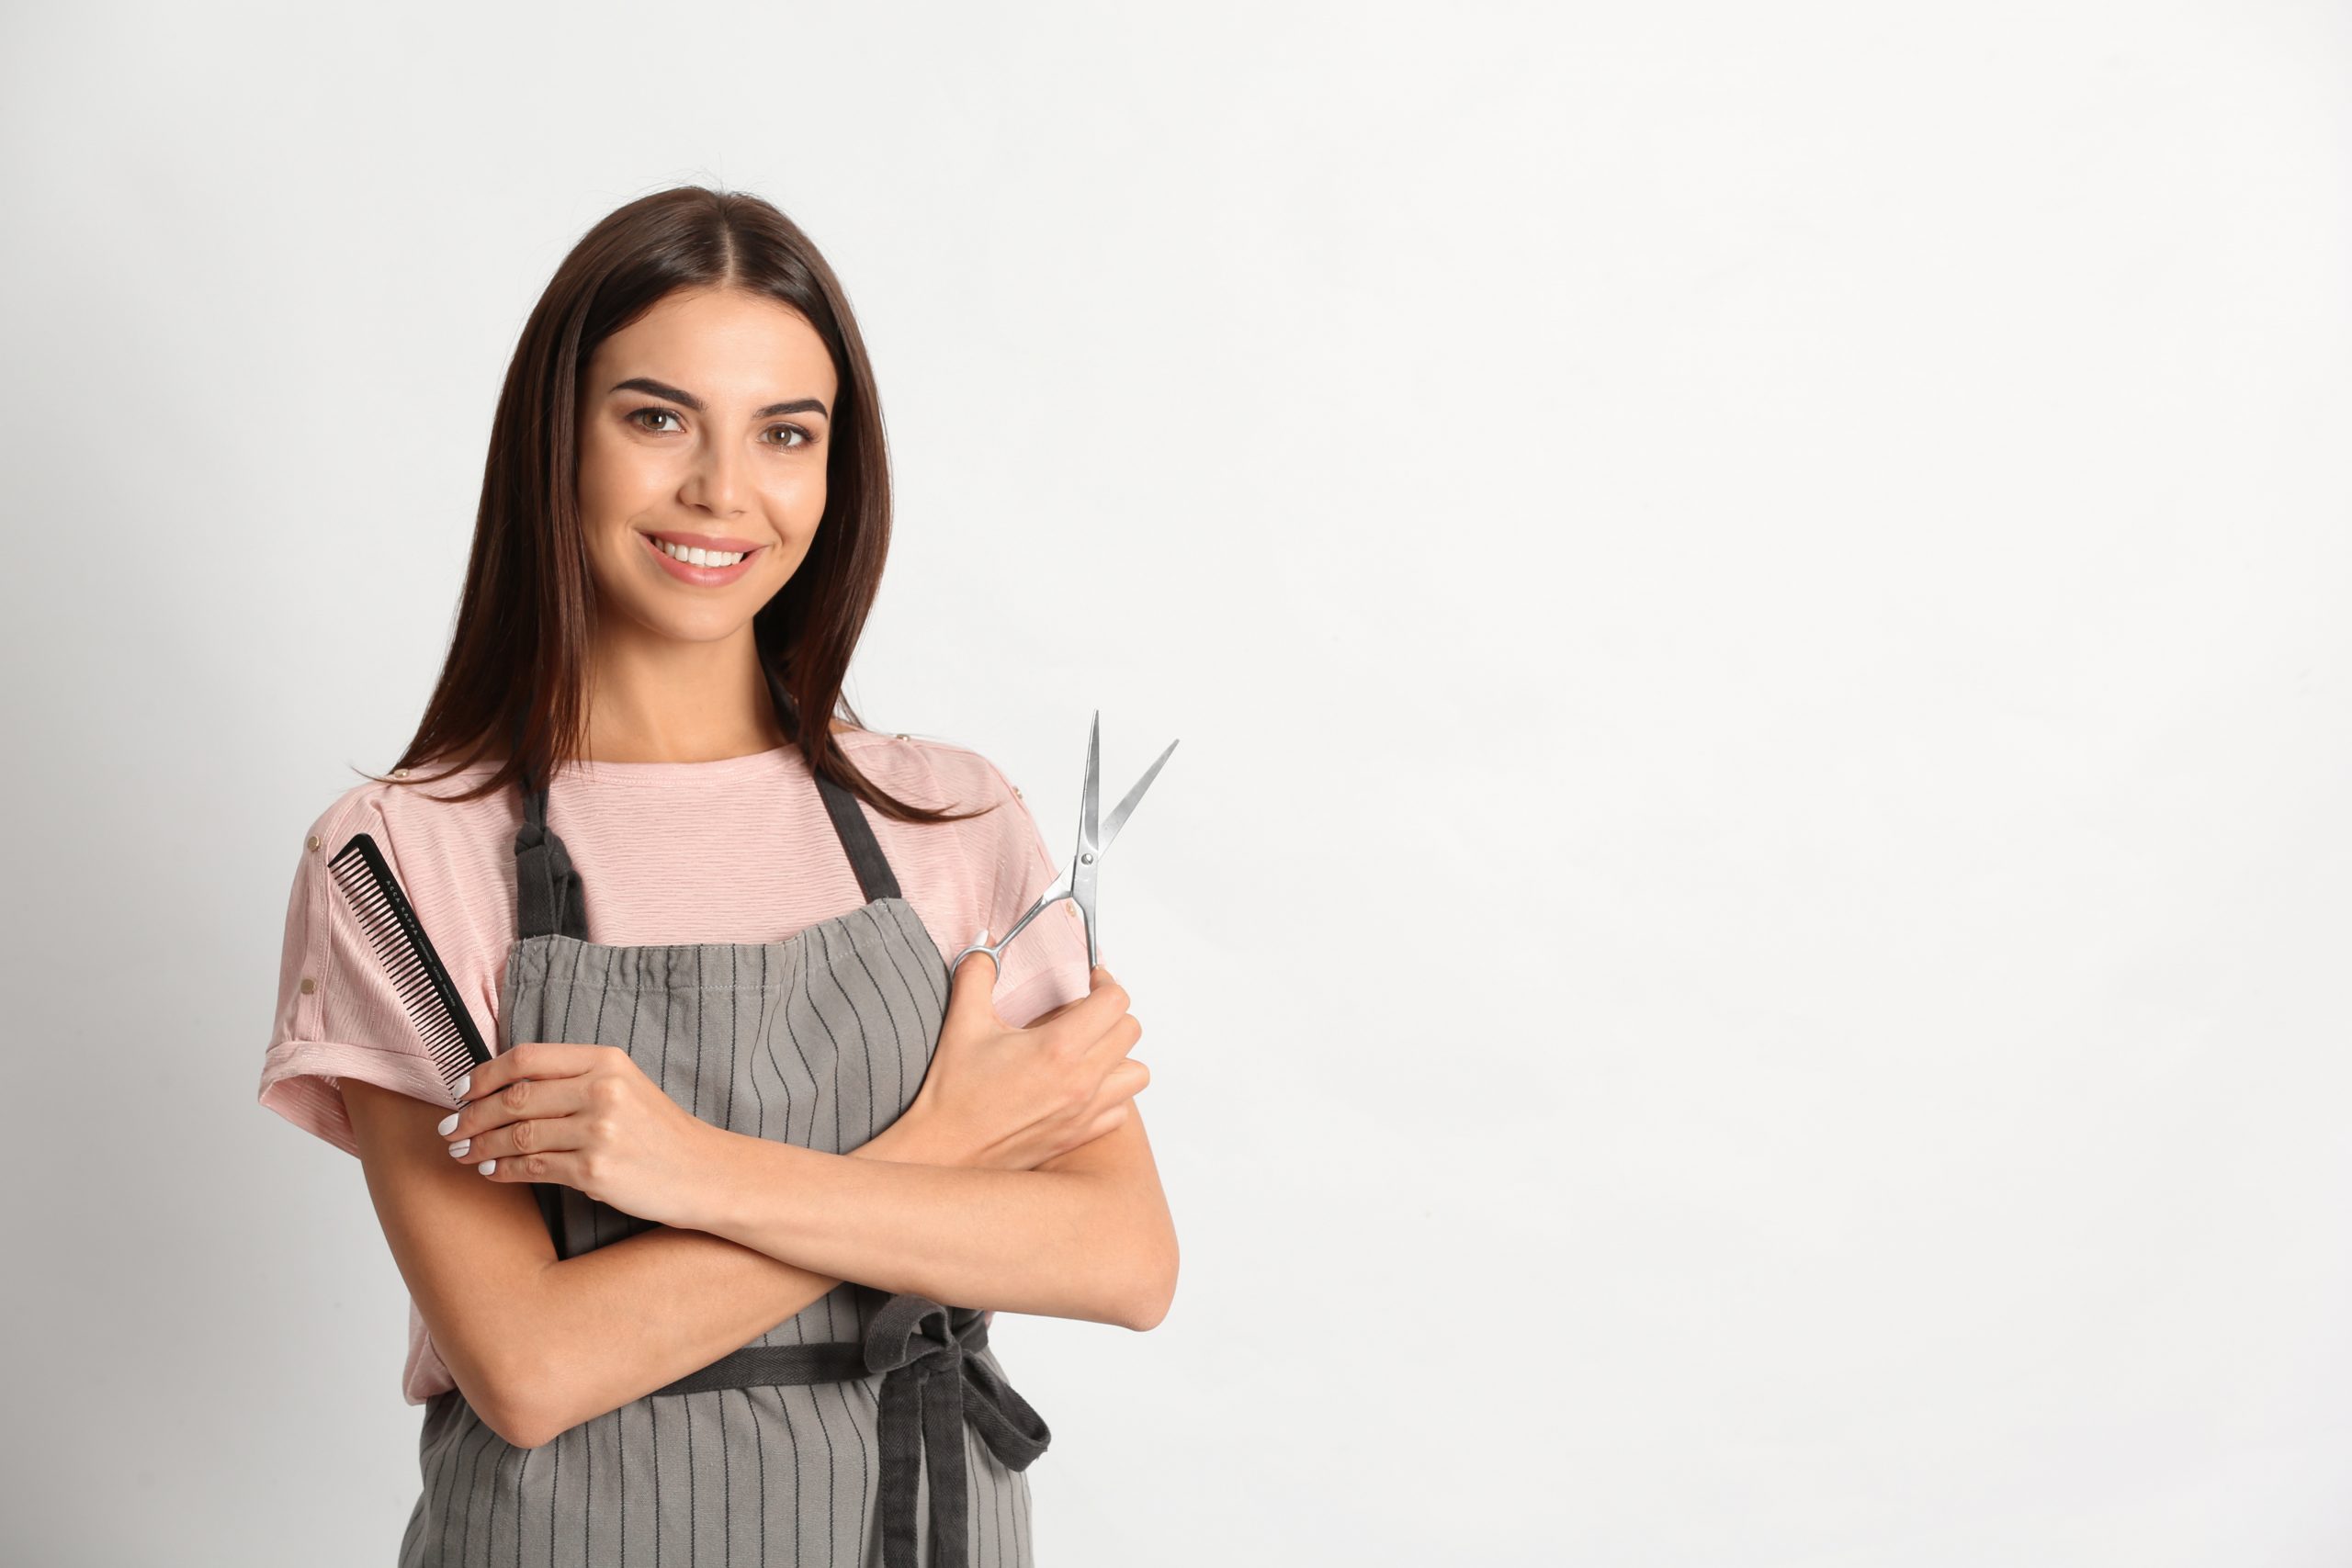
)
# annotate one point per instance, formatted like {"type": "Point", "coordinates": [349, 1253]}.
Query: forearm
{"type": "Point", "coordinates": [1041, 1241]}
{"type": "Point", "coordinates": [619, 1321]}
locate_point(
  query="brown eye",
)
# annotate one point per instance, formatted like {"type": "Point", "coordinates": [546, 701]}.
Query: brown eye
{"type": "Point", "coordinates": [806, 439]}
{"type": "Point", "coordinates": [636, 416]}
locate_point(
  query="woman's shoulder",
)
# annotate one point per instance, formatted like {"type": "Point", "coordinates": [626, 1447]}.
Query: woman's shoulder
{"type": "Point", "coordinates": [929, 770]}
{"type": "Point", "coordinates": [410, 807]}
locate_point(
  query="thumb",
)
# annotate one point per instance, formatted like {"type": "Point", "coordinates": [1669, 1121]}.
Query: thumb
{"type": "Point", "coordinates": [973, 986]}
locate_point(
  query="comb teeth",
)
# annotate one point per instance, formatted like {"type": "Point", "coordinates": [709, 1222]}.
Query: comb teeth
{"type": "Point", "coordinates": [432, 1002]}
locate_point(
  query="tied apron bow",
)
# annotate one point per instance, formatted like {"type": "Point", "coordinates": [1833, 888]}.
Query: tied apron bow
{"type": "Point", "coordinates": [930, 1385]}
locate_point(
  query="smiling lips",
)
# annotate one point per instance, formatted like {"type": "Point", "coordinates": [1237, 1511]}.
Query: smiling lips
{"type": "Point", "coordinates": [705, 560]}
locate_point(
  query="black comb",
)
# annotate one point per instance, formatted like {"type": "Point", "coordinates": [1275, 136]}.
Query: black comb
{"type": "Point", "coordinates": [393, 927]}
{"type": "Point", "coordinates": [433, 1004]}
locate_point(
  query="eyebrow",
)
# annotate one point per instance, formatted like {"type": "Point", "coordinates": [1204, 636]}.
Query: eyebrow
{"type": "Point", "coordinates": [660, 390]}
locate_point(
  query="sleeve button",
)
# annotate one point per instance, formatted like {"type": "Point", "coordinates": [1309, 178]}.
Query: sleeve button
{"type": "Point", "coordinates": [1016, 792]}
{"type": "Point", "coordinates": [313, 842]}
{"type": "Point", "coordinates": [901, 735]}
{"type": "Point", "coordinates": [308, 985]}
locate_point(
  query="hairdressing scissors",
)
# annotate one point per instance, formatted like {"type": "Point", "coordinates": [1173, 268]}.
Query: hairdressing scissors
{"type": "Point", "coordinates": [1077, 883]}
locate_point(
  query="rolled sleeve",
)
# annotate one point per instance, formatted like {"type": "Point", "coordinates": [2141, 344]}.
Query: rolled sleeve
{"type": "Point", "coordinates": [339, 1015]}
{"type": "Point", "coordinates": [300, 1080]}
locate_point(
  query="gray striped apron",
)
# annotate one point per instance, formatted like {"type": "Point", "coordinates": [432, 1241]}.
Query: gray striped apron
{"type": "Point", "coordinates": [830, 1438]}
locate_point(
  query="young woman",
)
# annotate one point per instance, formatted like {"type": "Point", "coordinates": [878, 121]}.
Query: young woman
{"type": "Point", "coordinates": [680, 1263]}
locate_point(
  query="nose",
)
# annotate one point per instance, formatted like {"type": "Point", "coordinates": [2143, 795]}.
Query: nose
{"type": "Point", "coordinates": [715, 484]}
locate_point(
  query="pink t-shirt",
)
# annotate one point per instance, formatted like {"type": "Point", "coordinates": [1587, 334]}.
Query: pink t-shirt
{"type": "Point", "coordinates": [735, 850]}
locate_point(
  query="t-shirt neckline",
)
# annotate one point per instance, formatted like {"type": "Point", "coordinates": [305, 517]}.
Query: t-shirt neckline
{"type": "Point", "coordinates": [588, 770]}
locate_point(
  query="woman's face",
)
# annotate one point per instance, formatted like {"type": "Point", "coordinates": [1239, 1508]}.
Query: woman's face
{"type": "Point", "coordinates": [705, 423]}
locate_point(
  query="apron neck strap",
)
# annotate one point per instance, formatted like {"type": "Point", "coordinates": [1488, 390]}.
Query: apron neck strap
{"type": "Point", "coordinates": [874, 877]}
{"type": "Point", "coordinates": [550, 899]}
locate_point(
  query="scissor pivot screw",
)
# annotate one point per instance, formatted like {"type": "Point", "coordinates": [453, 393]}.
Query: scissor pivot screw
{"type": "Point", "coordinates": [1086, 860]}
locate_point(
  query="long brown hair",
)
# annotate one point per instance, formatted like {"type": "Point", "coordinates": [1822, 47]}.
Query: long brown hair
{"type": "Point", "coordinates": [526, 621]}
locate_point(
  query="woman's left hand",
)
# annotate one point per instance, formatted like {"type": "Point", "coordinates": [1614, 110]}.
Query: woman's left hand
{"type": "Point", "coordinates": [586, 1117]}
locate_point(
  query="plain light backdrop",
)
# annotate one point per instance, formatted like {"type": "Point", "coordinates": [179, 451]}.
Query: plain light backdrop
{"type": "Point", "coordinates": [1744, 957]}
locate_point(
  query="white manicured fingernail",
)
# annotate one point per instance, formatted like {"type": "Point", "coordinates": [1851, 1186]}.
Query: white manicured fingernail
{"type": "Point", "coordinates": [448, 1124]}
{"type": "Point", "coordinates": [462, 1082]}
{"type": "Point", "coordinates": [457, 1150]}
{"type": "Point", "coordinates": [487, 1166]}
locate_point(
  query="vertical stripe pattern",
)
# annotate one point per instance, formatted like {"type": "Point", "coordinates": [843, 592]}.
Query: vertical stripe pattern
{"type": "Point", "coordinates": [820, 1040]}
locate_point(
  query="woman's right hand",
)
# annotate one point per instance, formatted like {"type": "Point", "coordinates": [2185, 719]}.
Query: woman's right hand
{"type": "Point", "coordinates": [1006, 1098]}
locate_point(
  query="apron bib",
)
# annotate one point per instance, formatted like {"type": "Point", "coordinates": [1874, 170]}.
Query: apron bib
{"type": "Point", "coordinates": [832, 1438]}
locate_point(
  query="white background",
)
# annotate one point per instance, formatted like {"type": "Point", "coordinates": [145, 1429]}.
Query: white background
{"type": "Point", "coordinates": [1743, 954]}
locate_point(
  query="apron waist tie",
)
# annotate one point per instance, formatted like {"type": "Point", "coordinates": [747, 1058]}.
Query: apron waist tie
{"type": "Point", "coordinates": [932, 1383]}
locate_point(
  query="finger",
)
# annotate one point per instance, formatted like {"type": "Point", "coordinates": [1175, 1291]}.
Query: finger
{"type": "Point", "coordinates": [523, 1099]}
{"type": "Point", "coordinates": [526, 1059]}
{"type": "Point", "coordinates": [1094, 1014]}
{"type": "Point", "coordinates": [1121, 1033]}
{"type": "Point", "coordinates": [544, 1135]}
{"type": "Point", "coordinates": [977, 949]}
{"type": "Point", "coordinates": [1126, 1078]}
{"type": "Point", "coordinates": [550, 1164]}
{"type": "Point", "coordinates": [973, 988]}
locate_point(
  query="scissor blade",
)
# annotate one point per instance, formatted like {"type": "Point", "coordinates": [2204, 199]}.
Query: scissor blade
{"type": "Point", "coordinates": [1119, 817]}
{"type": "Point", "coordinates": [1090, 790]}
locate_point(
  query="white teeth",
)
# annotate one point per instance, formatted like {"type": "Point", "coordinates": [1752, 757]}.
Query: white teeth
{"type": "Point", "coordinates": [693, 556]}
